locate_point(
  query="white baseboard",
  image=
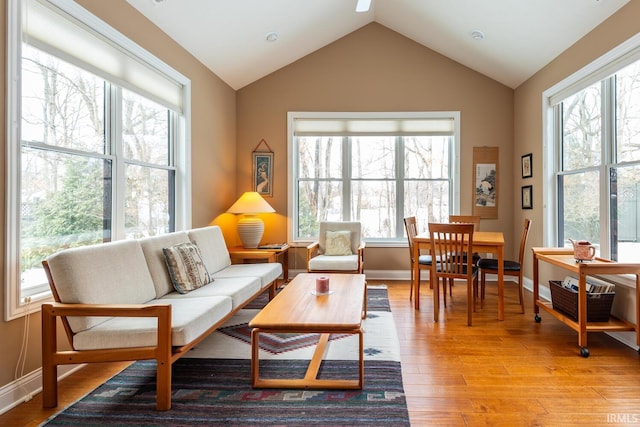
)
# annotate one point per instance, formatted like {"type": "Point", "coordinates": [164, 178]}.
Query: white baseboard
{"type": "Point", "coordinates": [27, 386]}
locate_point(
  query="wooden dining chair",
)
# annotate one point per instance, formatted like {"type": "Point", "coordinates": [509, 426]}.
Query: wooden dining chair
{"type": "Point", "coordinates": [466, 219]}
{"type": "Point", "coordinates": [447, 239]}
{"type": "Point", "coordinates": [424, 261]}
{"type": "Point", "coordinates": [511, 268]}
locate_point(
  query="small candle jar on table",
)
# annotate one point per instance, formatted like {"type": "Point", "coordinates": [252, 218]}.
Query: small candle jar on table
{"type": "Point", "coordinates": [322, 285]}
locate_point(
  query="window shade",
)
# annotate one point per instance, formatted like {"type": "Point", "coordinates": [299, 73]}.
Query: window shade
{"type": "Point", "coordinates": [377, 126]}
{"type": "Point", "coordinates": [55, 31]}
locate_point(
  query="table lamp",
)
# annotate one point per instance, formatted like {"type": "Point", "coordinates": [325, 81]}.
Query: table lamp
{"type": "Point", "coordinates": [250, 227]}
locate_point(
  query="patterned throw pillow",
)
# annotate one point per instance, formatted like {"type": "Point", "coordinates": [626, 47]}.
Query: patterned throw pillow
{"type": "Point", "coordinates": [186, 267]}
{"type": "Point", "coordinates": [338, 243]}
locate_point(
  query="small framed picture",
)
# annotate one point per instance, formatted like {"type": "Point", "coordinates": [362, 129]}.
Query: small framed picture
{"type": "Point", "coordinates": [527, 197]}
{"type": "Point", "coordinates": [527, 171]}
{"type": "Point", "coordinates": [263, 173]}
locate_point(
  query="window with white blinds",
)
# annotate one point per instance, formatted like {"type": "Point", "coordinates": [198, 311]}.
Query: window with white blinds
{"type": "Point", "coordinates": [376, 168]}
{"type": "Point", "coordinates": [97, 144]}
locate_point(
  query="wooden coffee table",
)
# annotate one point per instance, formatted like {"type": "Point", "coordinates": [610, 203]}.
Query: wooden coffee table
{"type": "Point", "coordinates": [297, 310]}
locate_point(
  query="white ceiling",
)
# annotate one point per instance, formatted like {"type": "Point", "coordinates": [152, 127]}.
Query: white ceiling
{"type": "Point", "coordinates": [521, 36]}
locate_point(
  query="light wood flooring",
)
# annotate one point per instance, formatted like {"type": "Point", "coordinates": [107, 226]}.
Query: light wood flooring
{"type": "Point", "coordinates": [511, 373]}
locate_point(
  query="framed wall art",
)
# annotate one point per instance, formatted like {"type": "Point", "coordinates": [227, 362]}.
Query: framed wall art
{"type": "Point", "coordinates": [263, 170]}
{"type": "Point", "coordinates": [526, 166]}
{"type": "Point", "coordinates": [485, 193]}
{"type": "Point", "coordinates": [527, 197]}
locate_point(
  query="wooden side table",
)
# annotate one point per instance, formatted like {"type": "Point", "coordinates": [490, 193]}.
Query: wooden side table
{"type": "Point", "coordinates": [280, 255]}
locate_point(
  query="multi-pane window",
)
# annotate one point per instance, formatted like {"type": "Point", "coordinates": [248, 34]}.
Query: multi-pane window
{"type": "Point", "coordinates": [599, 165]}
{"type": "Point", "coordinates": [97, 144]}
{"type": "Point", "coordinates": [373, 170]}
{"type": "Point", "coordinates": [74, 127]}
{"type": "Point", "coordinates": [150, 175]}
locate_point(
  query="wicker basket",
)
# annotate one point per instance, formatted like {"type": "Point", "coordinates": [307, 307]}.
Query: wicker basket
{"type": "Point", "coordinates": [566, 301]}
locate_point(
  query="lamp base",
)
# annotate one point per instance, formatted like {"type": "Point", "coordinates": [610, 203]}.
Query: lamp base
{"type": "Point", "coordinates": [250, 229]}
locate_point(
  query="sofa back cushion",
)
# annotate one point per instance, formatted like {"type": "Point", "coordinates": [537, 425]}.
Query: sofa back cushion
{"type": "Point", "coordinates": [108, 273]}
{"type": "Point", "coordinates": [212, 247]}
{"type": "Point", "coordinates": [152, 248]}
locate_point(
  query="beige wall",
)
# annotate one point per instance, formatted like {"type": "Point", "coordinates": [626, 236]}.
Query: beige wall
{"type": "Point", "coordinates": [376, 69]}
{"type": "Point", "coordinates": [528, 120]}
{"type": "Point", "coordinates": [213, 106]}
{"type": "Point", "coordinates": [373, 69]}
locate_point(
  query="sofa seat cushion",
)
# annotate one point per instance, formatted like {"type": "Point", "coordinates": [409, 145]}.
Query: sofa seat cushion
{"type": "Point", "coordinates": [190, 318]}
{"type": "Point", "coordinates": [267, 272]}
{"type": "Point", "coordinates": [107, 273]}
{"type": "Point", "coordinates": [240, 289]}
{"type": "Point", "coordinates": [331, 263]}
{"type": "Point", "coordinates": [152, 248]}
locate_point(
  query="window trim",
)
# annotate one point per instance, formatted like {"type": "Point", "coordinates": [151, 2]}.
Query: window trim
{"type": "Point", "coordinates": [621, 55]}
{"type": "Point", "coordinates": [292, 116]}
{"type": "Point", "coordinates": [15, 306]}
{"type": "Point", "coordinates": [617, 58]}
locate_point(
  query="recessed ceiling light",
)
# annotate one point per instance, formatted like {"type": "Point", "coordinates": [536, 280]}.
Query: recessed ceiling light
{"type": "Point", "coordinates": [157, 1]}
{"type": "Point", "coordinates": [477, 35]}
{"type": "Point", "coordinates": [272, 36]}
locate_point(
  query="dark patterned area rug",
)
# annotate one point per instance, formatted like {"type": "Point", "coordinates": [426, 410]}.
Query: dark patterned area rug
{"type": "Point", "coordinates": [218, 392]}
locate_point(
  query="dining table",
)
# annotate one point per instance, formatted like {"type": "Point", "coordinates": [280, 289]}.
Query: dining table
{"type": "Point", "coordinates": [483, 242]}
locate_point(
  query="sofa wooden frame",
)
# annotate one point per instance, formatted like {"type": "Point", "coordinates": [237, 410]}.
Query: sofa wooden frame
{"type": "Point", "coordinates": [163, 352]}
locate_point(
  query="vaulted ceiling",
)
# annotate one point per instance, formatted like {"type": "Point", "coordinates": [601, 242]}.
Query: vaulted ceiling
{"type": "Point", "coordinates": [513, 38]}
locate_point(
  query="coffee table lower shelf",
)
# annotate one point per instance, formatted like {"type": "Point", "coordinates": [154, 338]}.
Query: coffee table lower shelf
{"type": "Point", "coordinates": [310, 380]}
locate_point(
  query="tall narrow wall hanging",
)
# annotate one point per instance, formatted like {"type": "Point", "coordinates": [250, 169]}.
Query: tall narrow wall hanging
{"type": "Point", "coordinates": [485, 175]}
{"type": "Point", "coordinates": [263, 169]}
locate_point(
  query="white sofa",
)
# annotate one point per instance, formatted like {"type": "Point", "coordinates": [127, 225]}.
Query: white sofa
{"type": "Point", "coordinates": [117, 302]}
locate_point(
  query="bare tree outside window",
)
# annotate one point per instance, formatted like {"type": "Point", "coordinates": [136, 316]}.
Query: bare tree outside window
{"type": "Point", "coordinates": [387, 177]}
{"type": "Point", "coordinates": [67, 186]}
{"type": "Point", "coordinates": [591, 157]}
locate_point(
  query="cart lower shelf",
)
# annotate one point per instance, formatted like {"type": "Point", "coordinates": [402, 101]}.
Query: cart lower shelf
{"type": "Point", "coordinates": [613, 325]}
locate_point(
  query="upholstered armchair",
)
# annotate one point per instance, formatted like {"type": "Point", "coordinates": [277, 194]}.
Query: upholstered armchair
{"type": "Point", "coordinates": [339, 249]}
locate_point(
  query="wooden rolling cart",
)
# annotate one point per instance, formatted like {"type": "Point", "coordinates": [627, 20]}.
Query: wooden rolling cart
{"type": "Point", "coordinates": [563, 258]}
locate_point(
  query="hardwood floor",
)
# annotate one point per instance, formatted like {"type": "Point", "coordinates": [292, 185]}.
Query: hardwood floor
{"type": "Point", "coordinates": [510, 373]}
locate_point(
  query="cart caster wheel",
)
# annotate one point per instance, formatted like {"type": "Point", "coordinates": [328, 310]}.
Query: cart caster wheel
{"type": "Point", "coordinates": [538, 319]}
{"type": "Point", "coordinates": [584, 352]}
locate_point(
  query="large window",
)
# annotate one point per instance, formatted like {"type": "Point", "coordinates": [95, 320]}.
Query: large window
{"type": "Point", "coordinates": [376, 168]}
{"type": "Point", "coordinates": [598, 162]}
{"type": "Point", "coordinates": [93, 156]}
